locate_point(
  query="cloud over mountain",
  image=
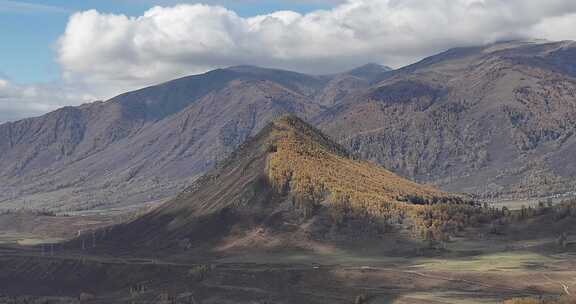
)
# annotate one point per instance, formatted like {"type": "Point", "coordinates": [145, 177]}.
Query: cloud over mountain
{"type": "Point", "coordinates": [104, 54]}
{"type": "Point", "coordinates": [116, 52]}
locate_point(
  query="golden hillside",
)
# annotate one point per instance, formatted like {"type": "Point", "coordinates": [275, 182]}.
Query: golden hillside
{"type": "Point", "coordinates": [290, 161]}
{"type": "Point", "coordinates": [312, 169]}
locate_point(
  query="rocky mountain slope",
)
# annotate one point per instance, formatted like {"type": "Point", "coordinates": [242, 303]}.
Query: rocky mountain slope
{"type": "Point", "coordinates": [144, 145]}
{"type": "Point", "coordinates": [496, 120]}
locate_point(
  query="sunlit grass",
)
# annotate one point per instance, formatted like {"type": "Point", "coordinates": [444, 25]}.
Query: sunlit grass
{"type": "Point", "coordinates": [502, 261]}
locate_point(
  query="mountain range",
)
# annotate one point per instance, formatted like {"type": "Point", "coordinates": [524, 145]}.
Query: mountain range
{"type": "Point", "coordinates": [496, 120]}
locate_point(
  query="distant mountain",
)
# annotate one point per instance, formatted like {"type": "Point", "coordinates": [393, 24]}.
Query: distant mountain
{"type": "Point", "coordinates": [144, 145]}
{"type": "Point", "coordinates": [496, 119]}
{"type": "Point", "coordinates": [340, 86]}
{"type": "Point", "coordinates": [369, 71]}
{"type": "Point", "coordinates": [291, 182]}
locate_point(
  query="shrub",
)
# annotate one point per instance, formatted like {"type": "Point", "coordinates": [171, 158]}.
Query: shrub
{"type": "Point", "coordinates": [199, 272]}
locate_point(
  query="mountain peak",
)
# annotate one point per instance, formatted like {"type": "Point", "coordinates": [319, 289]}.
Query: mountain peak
{"type": "Point", "coordinates": [284, 128]}
{"type": "Point", "coordinates": [289, 172]}
{"type": "Point", "coordinates": [369, 70]}
{"type": "Point", "coordinates": [292, 125]}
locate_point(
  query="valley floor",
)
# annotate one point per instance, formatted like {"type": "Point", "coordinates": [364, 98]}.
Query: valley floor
{"type": "Point", "coordinates": [473, 268]}
{"type": "Point", "coordinates": [460, 275]}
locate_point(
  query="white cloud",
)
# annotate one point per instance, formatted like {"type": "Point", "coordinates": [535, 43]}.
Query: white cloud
{"type": "Point", "coordinates": [20, 101]}
{"type": "Point", "coordinates": [115, 52]}
{"type": "Point", "coordinates": [561, 27]}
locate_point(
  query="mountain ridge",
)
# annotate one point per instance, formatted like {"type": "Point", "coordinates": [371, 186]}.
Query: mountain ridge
{"type": "Point", "coordinates": [494, 120]}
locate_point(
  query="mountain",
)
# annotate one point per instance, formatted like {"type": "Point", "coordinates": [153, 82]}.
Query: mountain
{"type": "Point", "coordinates": [497, 120]}
{"type": "Point", "coordinates": [369, 71]}
{"type": "Point", "coordinates": [340, 86]}
{"type": "Point", "coordinates": [144, 145]}
{"type": "Point", "coordinates": [290, 181]}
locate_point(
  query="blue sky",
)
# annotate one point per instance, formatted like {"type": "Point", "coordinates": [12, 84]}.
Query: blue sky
{"type": "Point", "coordinates": [29, 29]}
